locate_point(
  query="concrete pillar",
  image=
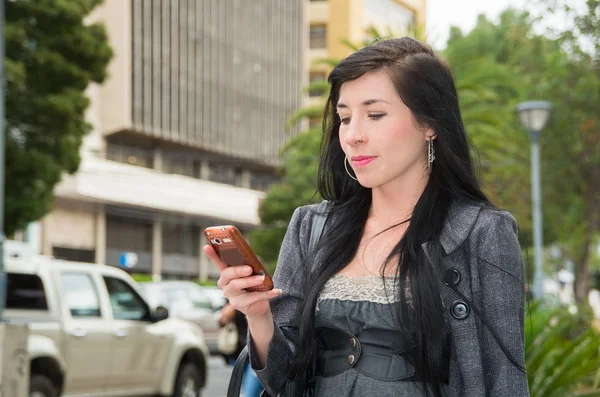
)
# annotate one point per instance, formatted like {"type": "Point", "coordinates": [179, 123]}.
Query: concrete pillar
{"type": "Point", "coordinates": [101, 235]}
{"type": "Point", "coordinates": [158, 159]}
{"type": "Point", "coordinates": [33, 237]}
{"type": "Point", "coordinates": [246, 178]}
{"type": "Point", "coordinates": [204, 262]}
{"type": "Point", "coordinates": [204, 170]}
{"type": "Point", "coordinates": [157, 250]}
{"type": "Point", "coordinates": [46, 243]}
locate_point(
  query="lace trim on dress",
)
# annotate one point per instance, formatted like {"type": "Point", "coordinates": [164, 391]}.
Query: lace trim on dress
{"type": "Point", "coordinates": [370, 288]}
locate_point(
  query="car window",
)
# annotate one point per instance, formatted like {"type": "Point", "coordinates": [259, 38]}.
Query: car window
{"type": "Point", "coordinates": [25, 292]}
{"type": "Point", "coordinates": [125, 302]}
{"type": "Point", "coordinates": [200, 299]}
{"type": "Point", "coordinates": [80, 295]}
{"type": "Point", "coordinates": [176, 299]}
{"type": "Point", "coordinates": [163, 299]}
{"type": "Point", "coordinates": [174, 295]}
{"type": "Point", "coordinates": [216, 296]}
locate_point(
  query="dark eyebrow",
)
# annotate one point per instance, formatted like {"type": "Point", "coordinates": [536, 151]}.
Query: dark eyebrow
{"type": "Point", "coordinates": [365, 103]}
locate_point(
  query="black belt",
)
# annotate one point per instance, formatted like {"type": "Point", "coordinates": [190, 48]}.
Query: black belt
{"type": "Point", "coordinates": [377, 353]}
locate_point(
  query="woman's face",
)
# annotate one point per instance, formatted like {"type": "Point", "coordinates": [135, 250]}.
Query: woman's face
{"type": "Point", "coordinates": [378, 133]}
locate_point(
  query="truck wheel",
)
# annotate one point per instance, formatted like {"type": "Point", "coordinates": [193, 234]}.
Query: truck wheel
{"type": "Point", "coordinates": [41, 386]}
{"type": "Point", "coordinates": [188, 381]}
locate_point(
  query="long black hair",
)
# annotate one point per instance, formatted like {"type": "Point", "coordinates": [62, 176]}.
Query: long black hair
{"type": "Point", "coordinates": [425, 84]}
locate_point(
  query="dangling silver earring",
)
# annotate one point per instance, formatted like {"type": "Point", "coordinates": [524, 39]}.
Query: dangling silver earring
{"type": "Point", "coordinates": [431, 156]}
{"type": "Point", "coordinates": [347, 170]}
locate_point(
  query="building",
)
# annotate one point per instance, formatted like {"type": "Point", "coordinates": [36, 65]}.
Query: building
{"type": "Point", "coordinates": [332, 21]}
{"type": "Point", "coordinates": [186, 132]}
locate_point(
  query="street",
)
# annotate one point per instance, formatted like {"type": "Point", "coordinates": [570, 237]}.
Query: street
{"type": "Point", "coordinates": [218, 377]}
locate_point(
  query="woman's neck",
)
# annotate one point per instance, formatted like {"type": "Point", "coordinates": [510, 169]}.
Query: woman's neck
{"type": "Point", "coordinates": [394, 202]}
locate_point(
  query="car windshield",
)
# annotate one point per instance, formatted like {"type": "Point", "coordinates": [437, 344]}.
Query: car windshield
{"type": "Point", "coordinates": [199, 299]}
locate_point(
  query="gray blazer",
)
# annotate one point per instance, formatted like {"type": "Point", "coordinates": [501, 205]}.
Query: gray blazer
{"type": "Point", "coordinates": [480, 247]}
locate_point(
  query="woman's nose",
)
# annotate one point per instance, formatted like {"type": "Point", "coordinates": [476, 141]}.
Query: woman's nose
{"type": "Point", "coordinates": [354, 135]}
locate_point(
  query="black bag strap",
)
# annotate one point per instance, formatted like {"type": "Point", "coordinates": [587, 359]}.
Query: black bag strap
{"type": "Point", "coordinates": [318, 225]}
{"type": "Point", "coordinates": [235, 382]}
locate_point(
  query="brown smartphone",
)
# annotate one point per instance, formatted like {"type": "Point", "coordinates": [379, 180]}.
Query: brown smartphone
{"type": "Point", "coordinates": [233, 249]}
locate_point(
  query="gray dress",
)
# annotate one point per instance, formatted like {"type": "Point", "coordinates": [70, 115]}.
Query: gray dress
{"type": "Point", "coordinates": [354, 304]}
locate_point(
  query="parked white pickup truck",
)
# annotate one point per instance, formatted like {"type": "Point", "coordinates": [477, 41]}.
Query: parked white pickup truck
{"type": "Point", "coordinates": [92, 334]}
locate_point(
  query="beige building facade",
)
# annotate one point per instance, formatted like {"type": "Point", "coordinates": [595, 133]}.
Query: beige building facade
{"type": "Point", "coordinates": [333, 21]}
{"type": "Point", "coordinates": [186, 132]}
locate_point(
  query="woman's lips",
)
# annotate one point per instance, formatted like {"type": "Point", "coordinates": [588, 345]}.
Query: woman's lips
{"type": "Point", "coordinates": [361, 161]}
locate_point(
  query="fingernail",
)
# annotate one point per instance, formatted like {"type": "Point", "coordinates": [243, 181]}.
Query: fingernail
{"type": "Point", "coordinates": [278, 291]}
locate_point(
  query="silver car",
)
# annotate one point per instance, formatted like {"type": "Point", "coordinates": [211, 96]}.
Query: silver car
{"type": "Point", "coordinates": [216, 296]}
{"type": "Point", "coordinates": [188, 301]}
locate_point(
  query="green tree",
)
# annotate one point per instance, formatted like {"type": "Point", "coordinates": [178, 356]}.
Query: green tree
{"type": "Point", "coordinates": [555, 69]}
{"type": "Point", "coordinates": [581, 119]}
{"type": "Point", "coordinates": [477, 84]}
{"type": "Point", "coordinates": [580, 116]}
{"type": "Point", "coordinates": [506, 156]}
{"type": "Point", "coordinates": [52, 55]}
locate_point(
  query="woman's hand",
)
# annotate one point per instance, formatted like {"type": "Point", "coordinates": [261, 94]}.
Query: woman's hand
{"type": "Point", "coordinates": [234, 280]}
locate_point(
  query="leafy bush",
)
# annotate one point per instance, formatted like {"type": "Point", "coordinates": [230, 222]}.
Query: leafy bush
{"type": "Point", "coordinates": [562, 352]}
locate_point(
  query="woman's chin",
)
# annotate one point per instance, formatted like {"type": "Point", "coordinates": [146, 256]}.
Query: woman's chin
{"type": "Point", "coordinates": [367, 182]}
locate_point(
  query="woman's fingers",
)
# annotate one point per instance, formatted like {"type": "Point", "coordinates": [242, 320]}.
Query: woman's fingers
{"type": "Point", "coordinates": [214, 258]}
{"type": "Point", "coordinates": [244, 301]}
{"type": "Point", "coordinates": [234, 281]}
{"type": "Point", "coordinates": [228, 273]}
{"type": "Point", "coordinates": [231, 273]}
{"type": "Point", "coordinates": [239, 284]}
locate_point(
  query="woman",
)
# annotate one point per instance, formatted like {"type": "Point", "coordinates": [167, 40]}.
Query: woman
{"type": "Point", "coordinates": [417, 286]}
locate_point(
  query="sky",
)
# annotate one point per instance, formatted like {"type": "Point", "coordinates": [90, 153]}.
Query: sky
{"type": "Point", "coordinates": [442, 14]}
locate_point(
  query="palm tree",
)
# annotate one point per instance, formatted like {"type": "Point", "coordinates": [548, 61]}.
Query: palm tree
{"type": "Point", "coordinates": [561, 352]}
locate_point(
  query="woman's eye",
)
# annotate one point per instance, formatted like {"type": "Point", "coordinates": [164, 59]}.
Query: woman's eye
{"type": "Point", "coordinates": [376, 116]}
{"type": "Point", "coordinates": [345, 120]}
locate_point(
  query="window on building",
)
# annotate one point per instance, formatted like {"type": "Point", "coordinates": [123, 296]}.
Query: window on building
{"type": "Point", "coordinates": [187, 164]}
{"type": "Point", "coordinates": [25, 292]}
{"type": "Point", "coordinates": [262, 181]}
{"type": "Point", "coordinates": [318, 36]}
{"type": "Point", "coordinates": [180, 166]}
{"type": "Point", "coordinates": [316, 76]}
{"type": "Point", "coordinates": [129, 231]}
{"type": "Point", "coordinates": [238, 177]}
{"type": "Point", "coordinates": [181, 239]}
{"type": "Point", "coordinates": [128, 234]}
{"type": "Point", "coordinates": [130, 154]}
{"type": "Point", "coordinates": [73, 254]}
{"type": "Point", "coordinates": [222, 173]}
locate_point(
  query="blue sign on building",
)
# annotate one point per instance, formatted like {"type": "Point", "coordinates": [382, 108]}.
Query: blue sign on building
{"type": "Point", "coordinates": [128, 259]}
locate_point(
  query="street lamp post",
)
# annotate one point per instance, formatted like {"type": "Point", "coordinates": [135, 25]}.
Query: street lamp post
{"type": "Point", "coordinates": [3, 282]}
{"type": "Point", "coordinates": [533, 116]}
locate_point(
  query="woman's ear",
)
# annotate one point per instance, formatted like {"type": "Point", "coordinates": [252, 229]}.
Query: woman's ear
{"type": "Point", "coordinates": [430, 134]}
